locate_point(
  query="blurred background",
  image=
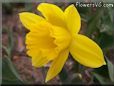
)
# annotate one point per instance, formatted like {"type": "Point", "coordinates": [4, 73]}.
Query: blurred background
{"type": "Point", "coordinates": [97, 24]}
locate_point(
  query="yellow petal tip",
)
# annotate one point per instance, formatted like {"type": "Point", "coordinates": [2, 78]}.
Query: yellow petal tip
{"type": "Point", "coordinates": [20, 14]}
{"type": "Point", "coordinates": [40, 5]}
{"type": "Point", "coordinates": [46, 80]}
{"type": "Point", "coordinates": [72, 5]}
{"type": "Point", "coordinates": [104, 63]}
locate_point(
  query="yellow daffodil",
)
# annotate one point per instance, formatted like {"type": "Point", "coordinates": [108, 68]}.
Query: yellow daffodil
{"type": "Point", "coordinates": [54, 36]}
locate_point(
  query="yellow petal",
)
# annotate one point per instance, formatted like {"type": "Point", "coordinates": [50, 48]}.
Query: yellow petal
{"type": "Point", "coordinates": [57, 65]}
{"type": "Point", "coordinates": [86, 52]}
{"type": "Point", "coordinates": [37, 59]}
{"type": "Point", "coordinates": [52, 13]}
{"type": "Point", "coordinates": [29, 19]}
{"type": "Point", "coordinates": [73, 19]}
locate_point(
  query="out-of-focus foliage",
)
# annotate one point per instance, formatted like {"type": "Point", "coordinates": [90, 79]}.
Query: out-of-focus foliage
{"type": "Point", "coordinates": [110, 70]}
{"type": "Point", "coordinates": [10, 76]}
{"type": "Point", "coordinates": [9, 72]}
{"type": "Point", "coordinates": [97, 23]}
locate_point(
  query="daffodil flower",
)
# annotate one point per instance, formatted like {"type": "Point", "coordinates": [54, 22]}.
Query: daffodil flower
{"type": "Point", "coordinates": [54, 36]}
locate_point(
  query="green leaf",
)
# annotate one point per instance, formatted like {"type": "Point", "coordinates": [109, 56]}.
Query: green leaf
{"type": "Point", "coordinates": [100, 78]}
{"type": "Point", "coordinates": [10, 39]}
{"type": "Point", "coordinates": [104, 74]}
{"type": "Point", "coordinates": [106, 24]}
{"type": "Point", "coordinates": [91, 26]}
{"type": "Point", "coordinates": [103, 71]}
{"type": "Point", "coordinates": [6, 50]}
{"type": "Point", "coordinates": [111, 13]}
{"type": "Point", "coordinates": [105, 40]}
{"type": "Point", "coordinates": [9, 73]}
{"type": "Point", "coordinates": [107, 27]}
{"type": "Point", "coordinates": [9, 48]}
{"type": "Point", "coordinates": [110, 70]}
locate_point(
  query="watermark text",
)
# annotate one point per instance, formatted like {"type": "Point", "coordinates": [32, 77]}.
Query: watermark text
{"type": "Point", "coordinates": [95, 4]}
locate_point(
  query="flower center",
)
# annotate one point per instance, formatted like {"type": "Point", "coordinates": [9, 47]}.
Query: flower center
{"type": "Point", "coordinates": [48, 39]}
{"type": "Point", "coordinates": [62, 37]}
